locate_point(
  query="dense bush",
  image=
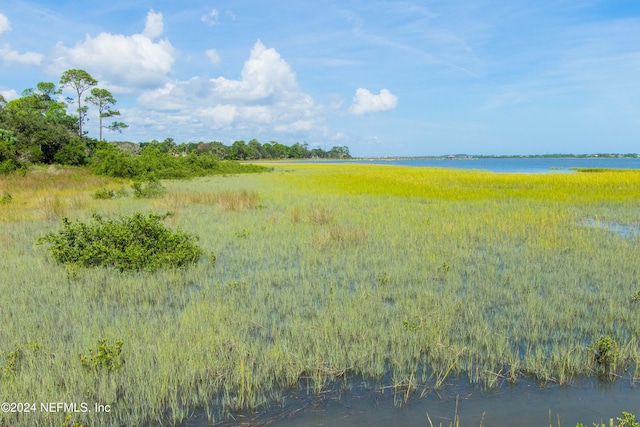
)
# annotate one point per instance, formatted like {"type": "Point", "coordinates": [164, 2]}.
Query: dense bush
{"type": "Point", "coordinates": [136, 242]}
{"type": "Point", "coordinates": [111, 161]}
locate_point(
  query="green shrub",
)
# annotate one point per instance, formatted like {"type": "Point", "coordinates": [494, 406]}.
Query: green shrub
{"type": "Point", "coordinates": [6, 198]}
{"type": "Point", "coordinates": [109, 194]}
{"type": "Point", "coordinates": [14, 358]}
{"type": "Point", "coordinates": [606, 353]}
{"type": "Point", "coordinates": [112, 161]}
{"type": "Point", "coordinates": [136, 242]}
{"type": "Point", "coordinates": [104, 357]}
{"type": "Point", "coordinates": [153, 188]}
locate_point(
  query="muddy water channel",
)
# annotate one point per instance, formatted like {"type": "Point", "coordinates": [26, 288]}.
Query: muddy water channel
{"type": "Point", "coordinates": [525, 404]}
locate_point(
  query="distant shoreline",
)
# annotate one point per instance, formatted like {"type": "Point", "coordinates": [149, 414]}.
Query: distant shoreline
{"type": "Point", "coordinates": [513, 156]}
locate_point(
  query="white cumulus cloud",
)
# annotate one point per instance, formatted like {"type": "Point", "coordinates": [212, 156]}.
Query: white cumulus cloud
{"type": "Point", "coordinates": [265, 73]}
{"type": "Point", "coordinates": [9, 94]}
{"type": "Point", "coordinates": [266, 97]}
{"type": "Point", "coordinates": [154, 25]}
{"type": "Point", "coordinates": [366, 102]}
{"type": "Point", "coordinates": [8, 55]}
{"type": "Point", "coordinates": [4, 24]}
{"type": "Point", "coordinates": [122, 61]}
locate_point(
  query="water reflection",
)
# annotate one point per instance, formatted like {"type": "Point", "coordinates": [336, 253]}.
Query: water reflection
{"type": "Point", "coordinates": [524, 404]}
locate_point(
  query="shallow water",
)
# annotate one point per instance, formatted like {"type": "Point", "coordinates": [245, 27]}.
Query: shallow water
{"type": "Point", "coordinates": [508, 165]}
{"type": "Point", "coordinates": [628, 231]}
{"type": "Point", "coordinates": [524, 404]}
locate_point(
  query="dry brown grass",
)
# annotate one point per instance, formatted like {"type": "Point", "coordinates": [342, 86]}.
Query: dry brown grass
{"type": "Point", "coordinates": [53, 207]}
{"type": "Point", "coordinates": [47, 192]}
{"type": "Point", "coordinates": [227, 200]}
{"type": "Point", "coordinates": [237, 200]}
{"type": "Point", "coordinates": [339, 235]}
{"type": "Point", "coordinates": [319, 215]}
{"type": "Point", "coordinates": [295, 214]}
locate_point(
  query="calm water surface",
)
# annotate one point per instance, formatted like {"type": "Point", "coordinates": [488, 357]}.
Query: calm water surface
{"type": "Point", "coordinates": [513, 165]}
{"type": "Point", "coordinates": [524, 404]}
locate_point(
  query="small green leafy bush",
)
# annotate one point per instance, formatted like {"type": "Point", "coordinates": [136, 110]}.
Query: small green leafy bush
{"type": "Point", "coordinates": [110, 194]}
{"type": "Point", "coordinates": [606, 353]}
{"type": "Point", "coordinates": [5, 198]}
{"type": "Point", "coordinates": [13, 359]}
{"type": "Point", "coordinates": [627, 420]}
{"type": "Point", "coordinates": [104, 357]}
{"type": "Point", "coordinates": [136, 242]}
{"type": "Point", "coordinates": [149, 190]}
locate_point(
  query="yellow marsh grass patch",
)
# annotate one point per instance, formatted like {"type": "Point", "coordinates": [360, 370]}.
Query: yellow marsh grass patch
{"type": "Point", "coordinates": [49, 192]}
{"type": "Point", "coordinates": [451, 184]}
{"type": "Point", "coordinates": [53, 207]}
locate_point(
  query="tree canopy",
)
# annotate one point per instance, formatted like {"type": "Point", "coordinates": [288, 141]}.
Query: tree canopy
{"type": "Point", "coordinates": [37, 128]}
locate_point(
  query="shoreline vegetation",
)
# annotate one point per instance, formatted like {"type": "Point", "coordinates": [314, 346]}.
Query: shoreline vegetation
{"type": "Point", "coordinates": [409, 277]}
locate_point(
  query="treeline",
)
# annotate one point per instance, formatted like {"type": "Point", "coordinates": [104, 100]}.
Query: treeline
{"type": "Point", "coordinates": [37, 129]}
{"type": "Point", "coordinates": [240, 150]}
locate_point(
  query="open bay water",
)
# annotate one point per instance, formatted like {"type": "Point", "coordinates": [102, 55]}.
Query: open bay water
{"type": "Point", "coordinates": [509, 164]}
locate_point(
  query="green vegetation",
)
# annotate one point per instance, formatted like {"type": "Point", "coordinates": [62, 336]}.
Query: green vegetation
{"type": "Point", "coordinates": [136, 242]}
{"type": "Point", "coordinates": [606, 353]}
{"type": "Point", "coordinates": [106, 356]}
{"type": "Point", "coordinates": [406, 277]}
{"type": "Point", "coordinates": [153, 163]}
{"type": "Point", "coordinates": [152, 188]}
{"type": "Point", "coordinates": [627, 420]}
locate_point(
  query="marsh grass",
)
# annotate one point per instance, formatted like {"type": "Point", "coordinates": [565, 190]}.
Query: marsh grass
{"type": "Point", "coordinates": [237, 200]}
{"type": "Point", "coordinates": [407, 277]}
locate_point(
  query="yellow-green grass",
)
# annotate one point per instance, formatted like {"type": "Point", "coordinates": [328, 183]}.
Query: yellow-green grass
{"type": "Point", "coordinates": [404, 276]}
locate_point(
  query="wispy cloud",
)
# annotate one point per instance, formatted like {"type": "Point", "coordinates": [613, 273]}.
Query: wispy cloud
{"type": "Point", "coordinates": [213, 56]}
{"type": "Point", "coordinates": [4, 24]}
{"type": "Point", "coordinates": [211, 18]}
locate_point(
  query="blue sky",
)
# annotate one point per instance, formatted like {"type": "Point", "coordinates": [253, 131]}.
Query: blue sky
{"type": "Point", "coordinates": [384, 78]}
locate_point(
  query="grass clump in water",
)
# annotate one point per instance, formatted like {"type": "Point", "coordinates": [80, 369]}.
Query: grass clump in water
{"type": "Point", "coordinates": [136, 242]}
{"type": "Point", "coordinates": [606, 353]}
